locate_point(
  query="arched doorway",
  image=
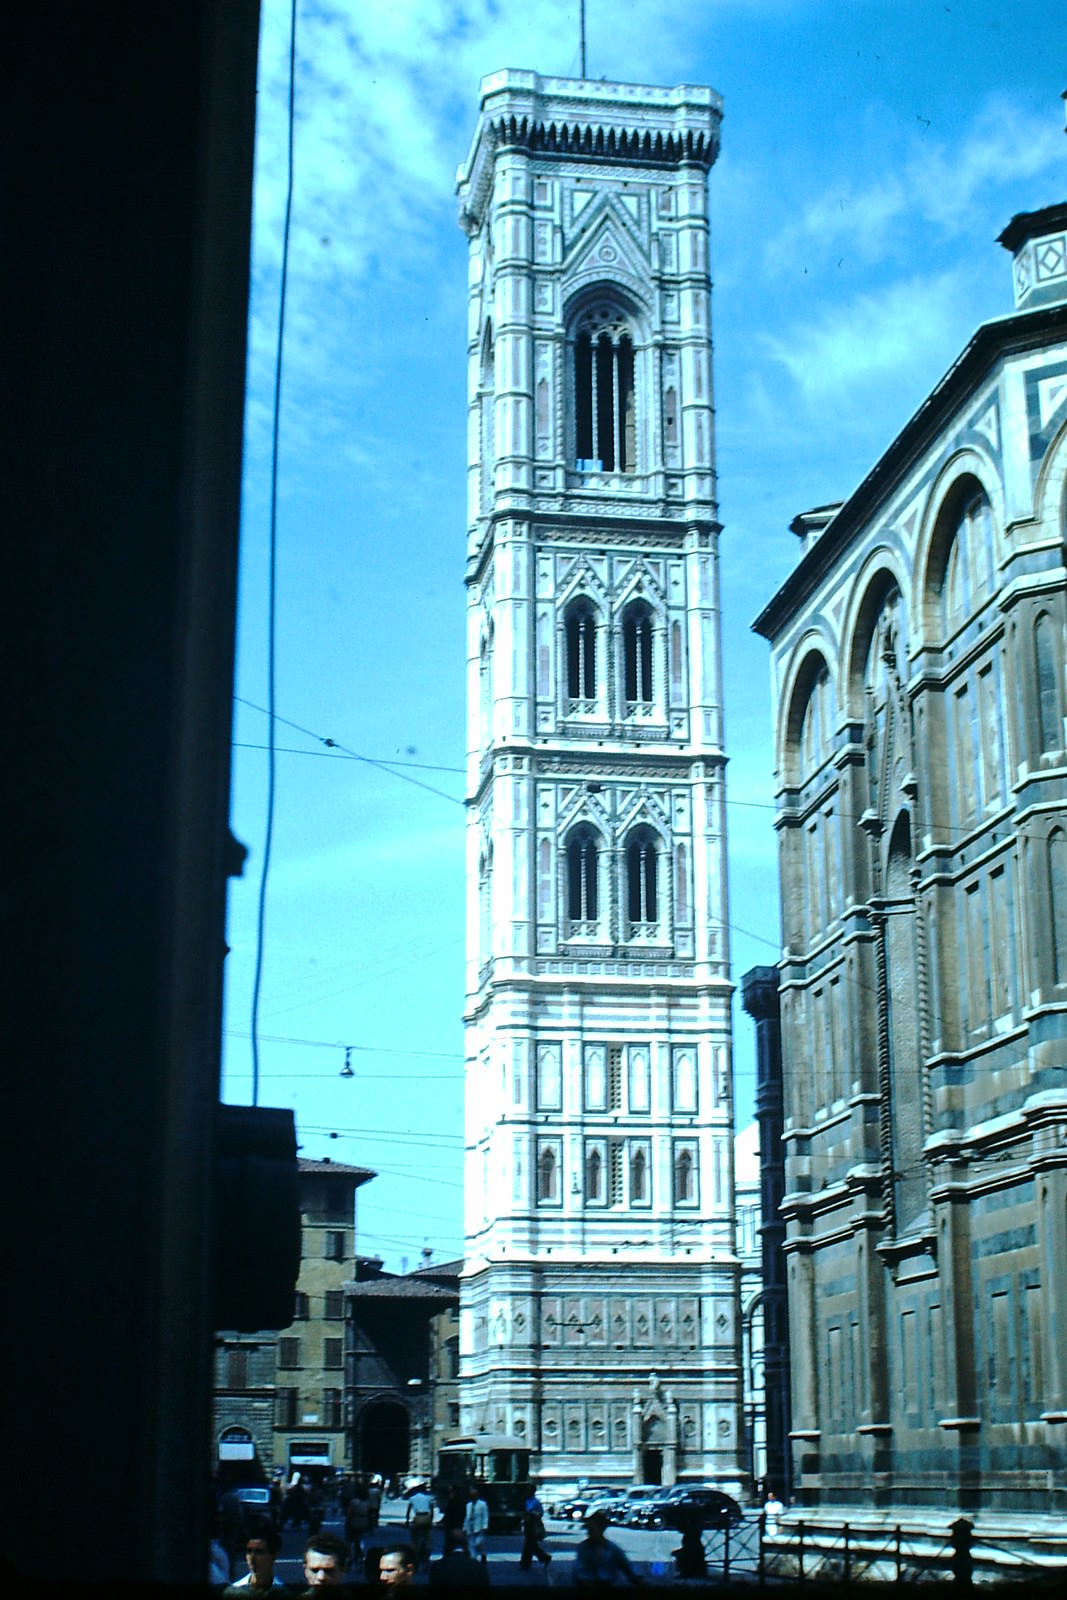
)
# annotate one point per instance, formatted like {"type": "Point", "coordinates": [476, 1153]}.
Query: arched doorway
{"type": "Point", "coordinates": [383, 1441]}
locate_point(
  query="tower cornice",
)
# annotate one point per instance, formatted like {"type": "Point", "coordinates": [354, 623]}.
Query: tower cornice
{"type": "Point", "coordinates": [636, 124]}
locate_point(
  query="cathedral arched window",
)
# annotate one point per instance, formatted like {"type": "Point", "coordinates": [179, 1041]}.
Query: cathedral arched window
{"type": "Point", "coordinates": [605, 421]}
{"type": "Point", "coordinates": [815, 727]}
{"type": "Point", "coordinates": [1047, 680]}
{"type": "Point", "coordinates": [969, 567]}
{"type": "Point", "coordinates": [581, 635]}
{"type": "Point", "coordinates": [642, 887]}
{"type": "Point", "coordinates": [684, 1176]}
{"type": "Point", "coordinates": [547, 1174]}
{"type": "Point", "coordinates": [487, 416]}
{"type": "Point", "coordinates": [1057, 877]}
{"type": "Point", "coordinates": [637, 636]}
{"type": "Point", "coordinates": [639, 1177]}
{"type": "Point", "coordinates": [594, 1175]}
{"type": "Point", "coordinates": [583, 886]}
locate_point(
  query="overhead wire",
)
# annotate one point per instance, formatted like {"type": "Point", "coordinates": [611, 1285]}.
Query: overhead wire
{"type": "Point", "coordinates": [272, 586]}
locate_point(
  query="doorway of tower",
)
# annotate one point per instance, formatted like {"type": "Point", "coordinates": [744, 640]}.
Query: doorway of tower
{"type": "Point", "coordinates": [652, 1465]}
{"type": "Point", "coordinates": [384, 1442]}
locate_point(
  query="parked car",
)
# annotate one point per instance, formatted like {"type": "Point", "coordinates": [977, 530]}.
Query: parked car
{"type": "Point", "coordinates": [579, 1505]}
{"type": "Point", "coordinates": [636, 1502]}
{"type": "Point", "coordinates": [715, 1508]}
{"type": "Point", "coordinates": [555, 1495]}
{"type": "Point", "coordinates": [620, 1505]}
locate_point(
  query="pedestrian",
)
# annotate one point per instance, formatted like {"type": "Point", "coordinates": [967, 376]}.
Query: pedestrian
{"type": "Point", "coordinates": [396, 1566]}
{"type": "Point", "coordinates": [772, 1510]}
{"type": "Point", "coordinates": [325, 1561]}
{"type": "Point", "coordinates": [262, 1548]}
{"type": "Point", "coordinates": [420, 1517]}
{"type": "Point", "coordinates": [533, 1530]}
{"type": "Point", "coordinates": [374, 1498]}
{"type": "Point", "coordinates": [232, 1532]}
{"type": "Point", "coordinates": [476, 1523]}
{"type": "Point", "coordinates": [458, 1570]}
{"type": "Point", "coordinates": [452, 1520]}
{"type": "Point", "coordinates": [295, 1504]}
{"type": "Point", "coordinates": [598, 1561]}
{"type": "Point", "coordinates": [316, 1507]}
{"type": "Point", "coordinates": [357, 1519]}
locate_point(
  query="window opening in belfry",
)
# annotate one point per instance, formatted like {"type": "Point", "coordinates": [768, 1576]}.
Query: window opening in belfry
{"type": "Point", "coordinates": [637, 652]}
{"type": "Point", "coordinates": [683, 1176]}
{"type": "Point", "coordinates": [582, 881]}
{"type": "Point", "coordinates": [605, 414]}
{"type": "Point", "coordinates": [641, 883]}
{"type": "Point", "coordinates": [581, 656]}
{"type": "Point", "coordinates": [615, 1077]}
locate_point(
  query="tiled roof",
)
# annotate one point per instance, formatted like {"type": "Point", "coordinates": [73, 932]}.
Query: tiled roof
{"type": "Point", "coordinates": [338, 1169]}
{"type": "Point", "coordinates": [439, 1269]}
{"type": "Point", "coordinates": [409, 1288]}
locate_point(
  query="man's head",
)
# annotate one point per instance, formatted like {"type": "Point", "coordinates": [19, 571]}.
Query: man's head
{"type": "Point", "coordinates": [595, 1524]}
{"type": "Point", "coordinates": [261, 1551]}
{"type": "Point", "coordinates": [397, 1566]}
{"type": "Point", "coordinates": [325, 1560]}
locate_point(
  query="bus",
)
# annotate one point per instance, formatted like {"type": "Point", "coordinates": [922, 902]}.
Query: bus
{"type": "Point", "coordinates": [499, 1462]}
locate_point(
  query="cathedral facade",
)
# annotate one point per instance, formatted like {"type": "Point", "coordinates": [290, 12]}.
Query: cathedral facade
{"type": "Point", "coordinates": [599, 1300]}
{"type": "Point", "coordinates": [918, 651]}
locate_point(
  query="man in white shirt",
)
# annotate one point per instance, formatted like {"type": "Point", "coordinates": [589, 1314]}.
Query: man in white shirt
{"type": "Point", "coordinates": [476, 1523]}
{"type": "Point", "coordinates": [420, 1516]}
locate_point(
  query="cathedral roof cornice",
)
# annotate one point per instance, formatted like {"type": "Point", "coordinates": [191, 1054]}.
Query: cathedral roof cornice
{"type": "Point", "coordinates": [572, 117]}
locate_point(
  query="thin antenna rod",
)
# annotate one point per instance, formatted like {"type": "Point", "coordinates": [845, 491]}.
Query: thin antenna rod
{"type": "Point", "coordinates": [581, 24]}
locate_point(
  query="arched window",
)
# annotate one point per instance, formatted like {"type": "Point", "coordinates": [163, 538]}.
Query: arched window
{"type": "Point", "coordinates": [594, 1175]}
{"type": "Point", "coordinates": [638, 1178]}
{"type": "Point", "coordinates": [637, 657]}
{"type": "Point", "coordinates": [815, 726]}
{"type": "Point", "coordinates": [1057, 877]}
{"type": "Point", "coordinates": [642, 900]}
{"type": "Point", "coordinates": [605, 430]}
{"type": "Point", "coordinates": [583, 900]}
{"type": "Point", "coordinates": [1049, 717]}
{"type": "Point", "coordinates": [969, 568]}
{"type": "Point", "coordinates": [581, 656]}
{"type": "Point", "coordinates": [547, 1174]}
{"type": "Point", "coordinates": [684, 1185]}
{"type": "Point", "coordinates": [487, 416]}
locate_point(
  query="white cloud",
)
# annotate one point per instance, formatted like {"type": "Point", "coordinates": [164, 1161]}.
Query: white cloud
{"type": "Point", "coordinates": [932, 183]}
{"type": "Point", "coordinates": [860, 342]}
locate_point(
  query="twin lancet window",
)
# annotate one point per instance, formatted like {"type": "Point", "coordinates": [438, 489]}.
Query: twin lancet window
{"type": "Point", "coordinates": [604, 408]}
{"type": "Point", "coordinates": [641, 884]}
{"type": "Point", "coordinates": [637, 638]}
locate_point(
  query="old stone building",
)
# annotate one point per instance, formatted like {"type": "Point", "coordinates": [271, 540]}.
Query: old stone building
{"type": "Point", "coordinates": [279, 1396]}
{"type": "Point", "coordinates": [918, 666]}
{"type": "Point", "coordinates": [599, 1303]}
{"type": "Point", "coordinates": [402, 1366]}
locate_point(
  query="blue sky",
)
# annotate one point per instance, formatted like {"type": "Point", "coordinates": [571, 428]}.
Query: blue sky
{"type": "Point", "coordinates": [872, 151]}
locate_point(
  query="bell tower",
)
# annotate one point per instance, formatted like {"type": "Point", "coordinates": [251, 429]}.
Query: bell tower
{"type": "Point", "coordinates": [600, 1305]}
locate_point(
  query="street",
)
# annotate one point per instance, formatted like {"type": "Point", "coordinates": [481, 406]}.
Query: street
{"type": "Point", "coordinates": [648, 1549]}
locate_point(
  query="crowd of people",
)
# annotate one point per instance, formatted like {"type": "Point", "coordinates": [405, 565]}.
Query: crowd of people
{"type": "Point", "coordinates": [363, 1555]}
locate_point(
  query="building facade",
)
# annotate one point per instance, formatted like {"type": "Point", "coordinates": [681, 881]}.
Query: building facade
{"type": "Point", "coordinates": [402, 1367]}
{"type": "Point", "coordinates": [279, 1396]}
{"type": "Point", "coordinates": [759, 996]}
{"type": "Point", "coordinates": [600, 1317]}
{"type": "Point", "coordinates": [753, 1361]}
{"type": "Point", "coordinates": [918, 666]}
